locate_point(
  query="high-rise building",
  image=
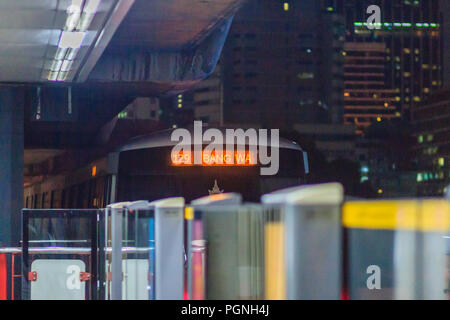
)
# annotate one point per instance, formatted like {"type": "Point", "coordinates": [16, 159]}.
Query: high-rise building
{"type": "Point", "coordinates": [207, 98]}
{"type": "Point", "coordinates": [282, 65]}
{"type": "Point", "coordinates": [142, 109]}
{"type": "Point", "coordinates": [432, 124]}
{"type": "Point", "coordinates": [367, 96]}
{"type": "Point", "coordinates": [411, 33]}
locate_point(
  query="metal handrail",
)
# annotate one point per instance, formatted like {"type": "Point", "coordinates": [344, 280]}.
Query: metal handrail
{"type": "Point", "coordinates": [66, 250]}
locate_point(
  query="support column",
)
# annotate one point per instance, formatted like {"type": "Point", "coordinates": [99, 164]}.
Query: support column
{"type": "Point", "coordinates": [11, 164]}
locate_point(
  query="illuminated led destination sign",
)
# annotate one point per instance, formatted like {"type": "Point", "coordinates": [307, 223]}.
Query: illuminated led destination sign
{"type": "Point", "coordinates": [226, 158]}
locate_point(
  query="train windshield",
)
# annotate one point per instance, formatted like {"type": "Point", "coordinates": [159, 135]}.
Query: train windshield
{"type": "Point", "coordinates": [151, 174]}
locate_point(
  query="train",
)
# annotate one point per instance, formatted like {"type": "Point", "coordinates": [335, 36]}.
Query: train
{"type": "Point", "coordinates": [143, 168]}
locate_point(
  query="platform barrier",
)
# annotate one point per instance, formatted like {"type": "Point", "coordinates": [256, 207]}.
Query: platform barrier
{"type": "Point", "coordinates": [298, 243]}
{"type": "Point", "coordinates": [225, 254]}
{"type": "Point", "coordinates": [397, 249]}
{"type": "Point", "coordinates": [152, 267]}
{"type": "Point", "coordinates": [60, 254]}
{"type": "Point", "coordinates": [303, 254]}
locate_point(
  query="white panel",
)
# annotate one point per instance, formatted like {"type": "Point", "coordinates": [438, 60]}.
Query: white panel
{"type": "Point", "coordinates": [136, 282]}
{"type": "Point", "coordinates": [58, 280]}
{"type": "Point", "coordinates": [405, 265]}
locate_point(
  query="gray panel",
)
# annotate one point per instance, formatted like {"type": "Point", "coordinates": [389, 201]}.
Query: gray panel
{"type": "Point", "coordinates": [313, 252]}
{"type": "Point", "coordinates": [222, 259]}
{"type": "Point", "coordinates": [235, 252]}
{"type": "Point", "coordinates": [169, 251]}
{"type": "Point", "coordinates": [366, 248]}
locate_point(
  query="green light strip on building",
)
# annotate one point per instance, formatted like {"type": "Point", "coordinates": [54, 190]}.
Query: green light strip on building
{"type": "Point", "coordinates": [400, 24]}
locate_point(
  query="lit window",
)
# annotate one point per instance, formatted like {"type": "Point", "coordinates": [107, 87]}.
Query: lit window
{"type": "Point", "coordinates": [379, 119]}
{"type": "Point", "coordinates": [180, 106]}
{"type": "Point", "coordinates": [123, 115]}
{"type": "Point", "coordinates": [426, 90]}
{"type": "Point", "coordinates": [380, 191]}
{"type": "Point", "coordinates": [286, 6]}
{"type": "Point", "coordinates": [306, 75]}
{"type": "Point", "coordinates": [419, 177]}
{"type": "Point", "coordinates": [441, 162]}
{"type": "Point", "coordinates": [386, 104]}
{"type": "Point", "coordinates": [417, 99]}
{"type": "Point", "coordinates": [346, 94]}
{"type": "Point", "coordinates": [420, 139]}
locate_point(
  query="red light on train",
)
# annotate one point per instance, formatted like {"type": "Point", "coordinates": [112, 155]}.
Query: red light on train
{"type": "Point", "coordinates": [240, 158]}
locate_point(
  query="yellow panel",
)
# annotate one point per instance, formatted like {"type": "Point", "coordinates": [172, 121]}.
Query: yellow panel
{"type": "Point", "coordinates": [189, 213]}
{"type": "Point", "coordinates": [427, 215]}
{"type": "Point", "coordinates": [275, 274]}
{"type": "Point", "coordinates": [435, 215]}
{"type": "Point", "coordinates": [381, 214]}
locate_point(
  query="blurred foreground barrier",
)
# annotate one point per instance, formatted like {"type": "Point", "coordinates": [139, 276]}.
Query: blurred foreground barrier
{"type": "Point", "coordinates": [397, 249]}
{"type": "Point", "coordinates": [3, 277]}
{"type": "Point", "coordinates": [152, 267]}
{"type": "Point", "coordinates": [303, 242]}
{"type": "Point", "coordinates": [225, 255]}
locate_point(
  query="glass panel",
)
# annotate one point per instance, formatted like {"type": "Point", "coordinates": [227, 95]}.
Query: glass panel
{"type": "Point", "coordinates": [226, 253]}
{"type": "Point", "coordinates": [138, 255]}
{"type": "Point", "coordinates": [58, 259]}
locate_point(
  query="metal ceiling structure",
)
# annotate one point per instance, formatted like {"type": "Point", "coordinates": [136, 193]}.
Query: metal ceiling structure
{"type": "Point", "coordinates": [82, 61]}
{"type": "Point", "coordinates": [62, 40]}
{"type": "Point", "coordinates": [48, 40]}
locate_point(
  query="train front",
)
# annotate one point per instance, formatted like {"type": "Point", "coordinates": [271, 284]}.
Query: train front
{"type": "Point", "coordinates": [155, 166]}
